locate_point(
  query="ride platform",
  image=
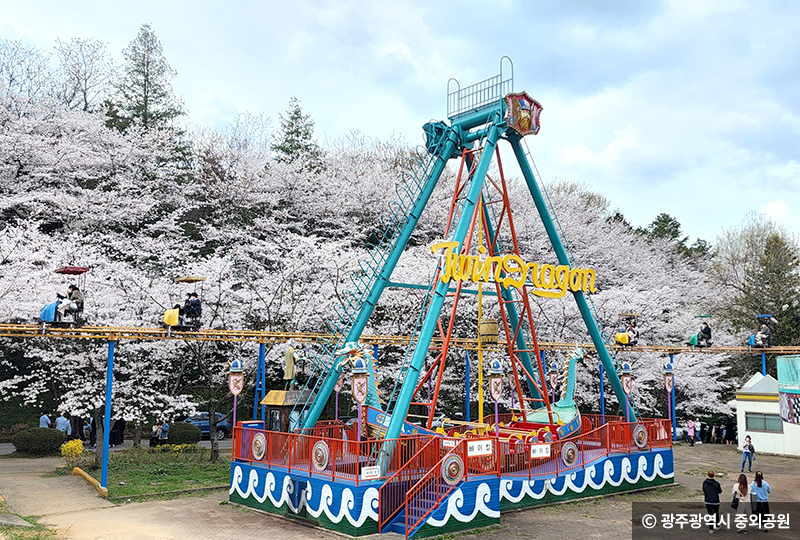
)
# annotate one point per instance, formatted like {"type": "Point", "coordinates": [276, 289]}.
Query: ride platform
{"type": "Point", "coordinates": [423, 485]}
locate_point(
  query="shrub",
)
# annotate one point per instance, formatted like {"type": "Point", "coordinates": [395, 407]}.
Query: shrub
{"type": "Point", "coordinates": [72, 451]}
{"type": "Point", "coordinates": [38, 441]}
{"type": "Point", "coordinates": [184, 433]}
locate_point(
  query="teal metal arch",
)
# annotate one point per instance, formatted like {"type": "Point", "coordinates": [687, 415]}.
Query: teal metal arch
{"type": "Point", "coordinates": [478, 114]}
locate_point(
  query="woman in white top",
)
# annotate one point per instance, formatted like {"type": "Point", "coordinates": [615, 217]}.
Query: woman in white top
{"type": "Point", "coordinates": [741, 489]}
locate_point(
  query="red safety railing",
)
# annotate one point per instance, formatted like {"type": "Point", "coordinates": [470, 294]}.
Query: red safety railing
{"type": "Point", "coordinates": [431, 489]}
{"type": "Point", "coordinates": [404, 463]}
{"type": "Point", "coordinates": [392, 494]}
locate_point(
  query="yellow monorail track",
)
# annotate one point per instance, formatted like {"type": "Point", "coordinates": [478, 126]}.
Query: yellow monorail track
{"type": "Point", "coordinates": [116, 333]}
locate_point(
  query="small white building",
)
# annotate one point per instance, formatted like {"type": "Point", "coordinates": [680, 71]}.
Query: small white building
{"type": "Point", "coordinates": [758, 415]}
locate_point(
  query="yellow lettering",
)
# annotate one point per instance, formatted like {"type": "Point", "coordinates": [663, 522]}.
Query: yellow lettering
{"type": "Point", "coordinates": [588, 281]}
{"type": "Point", "coordinates": [449, 258]}
{"type": "Point", "coordinates": [533, 268]}
{"type": "Point", "coordinates": [562, 279]}
{"type": "Point", "coordinates": [547, 276]}
{"type": "Point", "coordinates": [517, 268]}
{"type": "Point", "coordinates": [548, 280]}
{"type": "Point", "coordinates": [575, 278]}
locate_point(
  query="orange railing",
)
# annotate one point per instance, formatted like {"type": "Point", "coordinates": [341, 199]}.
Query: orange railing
{"type": "Point", "coordinates": [392, 494]}
{"type": "Point", "coordinates": [430, 490]}
{"type": "Point", "coordinates": [346, 457]}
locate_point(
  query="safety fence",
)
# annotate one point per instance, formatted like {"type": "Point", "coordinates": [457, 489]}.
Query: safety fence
{"type": "Point", "coordinates": [332, 450]}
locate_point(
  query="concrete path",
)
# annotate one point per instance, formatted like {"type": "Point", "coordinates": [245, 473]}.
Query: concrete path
{"type": "Point", "coordinates": [8, 448]}
{"type": "Point", "coordinates": [73, 508]}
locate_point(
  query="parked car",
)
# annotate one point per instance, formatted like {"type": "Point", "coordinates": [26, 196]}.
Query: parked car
{"type": "Point", "coordinates": [201, 420]}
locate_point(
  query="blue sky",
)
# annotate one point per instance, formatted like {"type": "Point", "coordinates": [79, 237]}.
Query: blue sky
{"type": "Point", "coordinates": [684, 107]}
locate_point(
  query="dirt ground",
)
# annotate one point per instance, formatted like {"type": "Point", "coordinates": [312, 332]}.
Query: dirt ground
{"type": "Point", "coordinates": [71, 507]}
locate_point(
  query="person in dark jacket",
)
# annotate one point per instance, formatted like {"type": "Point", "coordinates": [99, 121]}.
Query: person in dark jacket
{"type": "Point", "coordinates": [711, 491]}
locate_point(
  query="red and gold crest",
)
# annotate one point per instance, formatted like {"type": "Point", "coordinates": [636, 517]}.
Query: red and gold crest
{"type": "Point", "coordinates": [522, 113]}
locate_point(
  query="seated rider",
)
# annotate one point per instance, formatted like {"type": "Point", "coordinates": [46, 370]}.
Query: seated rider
{"type": "Point", "coordinates": [72, 302]}
{"type": "Point", "coordinates": [194, 309]}
{"type": "Point", "coordinates": [704, 334]}
{"type": "Point", "coordinates": [633, 334]}
{"type": "Point", "coordinates": [763, 336]}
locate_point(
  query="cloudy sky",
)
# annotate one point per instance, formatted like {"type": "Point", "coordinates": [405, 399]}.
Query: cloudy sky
{"type": "Point", "coordinates": [685, 107]}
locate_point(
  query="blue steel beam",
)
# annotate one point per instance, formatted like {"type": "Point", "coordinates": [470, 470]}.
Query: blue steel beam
{"type": "Point", "coordinates": [561, 254]}
{"type": "Point", "coordinates": [513, 318]}
{"type": "Point", "coordinates": [440, 292]}
{"type": "Point", "coordinates": [384, 277]}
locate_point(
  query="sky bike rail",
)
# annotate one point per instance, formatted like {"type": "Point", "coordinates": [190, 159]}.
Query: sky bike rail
{"type": "Point", "coordinates": [255, 336]}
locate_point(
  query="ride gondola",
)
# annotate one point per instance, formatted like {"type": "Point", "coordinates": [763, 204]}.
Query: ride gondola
{"type": "Point", "coordinates": [187, 317]}
{"type": "Point", "coordinates": [68, 310]}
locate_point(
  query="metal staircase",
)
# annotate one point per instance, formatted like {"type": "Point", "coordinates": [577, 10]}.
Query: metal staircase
{"type": "Point", "coordinates": [412, 192]}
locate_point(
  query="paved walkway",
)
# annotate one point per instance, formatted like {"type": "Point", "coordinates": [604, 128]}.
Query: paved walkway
{"type": "Point", "coordinates": [71, 506]}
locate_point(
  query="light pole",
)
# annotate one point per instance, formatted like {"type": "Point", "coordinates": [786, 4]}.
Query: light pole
{"type": "Point", "coordinates": [627, 382]}
{"type": "Point", "coordinates": [496, 390]}
{"type": "Point", "coordinates": [235, 383]}
{"type": "Point", "coordinates": [360, 381]}
{"type": "Point", "coordinates": [669, 383]}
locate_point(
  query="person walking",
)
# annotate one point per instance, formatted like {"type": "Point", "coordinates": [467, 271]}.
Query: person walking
{"type": "Point", "coordinates": [741, 490]}
{"type": "Point", "coordinates": [711, 491]}
{"type": "Point", "coordinates": [44, 420]}
{"type": "Point", "coordinates": [690, 431]}
{"type": "Point", "coordinates": [761, 489]}
{"type": "Point", "coordinates": [747, 453]}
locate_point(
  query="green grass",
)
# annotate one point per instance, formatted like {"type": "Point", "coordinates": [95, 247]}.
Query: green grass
{"type": "Point", "coordinates": [140, 471]}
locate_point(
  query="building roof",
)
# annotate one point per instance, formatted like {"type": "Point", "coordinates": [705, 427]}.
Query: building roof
{"type": "Point", "coordinates": [759, 388]}
{"type": "Point", "coordinates": [281, 398]}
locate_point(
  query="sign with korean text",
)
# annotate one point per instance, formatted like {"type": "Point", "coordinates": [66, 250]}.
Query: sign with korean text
{"type": "Point", "coordinates": [479, 447]}
{"type": "Point", "coordinates": [370, 473]}
{"type": "Point", "coordinates": [540, 450]}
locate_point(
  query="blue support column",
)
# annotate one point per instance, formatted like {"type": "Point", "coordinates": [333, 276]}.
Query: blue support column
{"type": "Point", "coordinates": [259, 385]}
{"type": "Point", "coordinates": [107, 417]}
{"type": "Point", "coordinates": [466, 388]}
{"type": "Point", "coordinates": [674, 419]}
{"type": "Point", "coordinates": [440, 292]}
{"type": "Point", "coordinates": [580, 299]}
{"type": "Point", "coordinates": [764, 363]}
{"type": "Point", "coordinates": [261, 355]}
{"type": "Point", "coordinates": [384, 278]}
{"type": "Point", "coordinates": [602, 394]}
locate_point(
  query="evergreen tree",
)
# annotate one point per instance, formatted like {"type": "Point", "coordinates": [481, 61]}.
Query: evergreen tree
{"type": "Point", "coordinates": [144, 95]}
{"type": "Point", "coordinates": [757, 270]}
{"type": "Point", "coordinates": [296, 138]}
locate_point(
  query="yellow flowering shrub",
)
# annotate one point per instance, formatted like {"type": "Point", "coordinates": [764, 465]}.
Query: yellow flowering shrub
{"type": "Point", "coordinates": [72, 451]}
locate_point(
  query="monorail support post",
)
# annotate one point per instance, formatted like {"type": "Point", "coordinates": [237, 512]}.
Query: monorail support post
{"type": "Point", "coordinates": [107, 417]}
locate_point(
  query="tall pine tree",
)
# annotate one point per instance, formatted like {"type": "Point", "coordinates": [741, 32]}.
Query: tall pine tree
{"type": "Point", "coordinates": [144, 95]}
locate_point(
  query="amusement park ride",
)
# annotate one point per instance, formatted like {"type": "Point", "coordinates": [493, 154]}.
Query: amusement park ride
{"type": "Point", "coordinates": [386, 473]}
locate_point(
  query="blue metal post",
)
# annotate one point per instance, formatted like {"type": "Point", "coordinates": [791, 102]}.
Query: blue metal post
{"type": "Point", "coordinates": [259, 380]}
{"type": "Point", "coordinates": [466, 388]}
{"type": "Point", "coordinates": [764, 363]}
{"type": "Point", "coordinates": [674, 418]}
{"type": "Point", "coordinates": [513, 317]}
{"type": "Point", "coordinates": [261, 355]}
{"type": "Point", "coordinates": [602, 395]}
{"type": "Point", "coordinates": [562, 257]}
{"type": "Point", "coordinates": [440, 291]}
{"type": "Point", "coordinates": [107, 417]}
{"type": "Point", "coordinates": [384, 278]}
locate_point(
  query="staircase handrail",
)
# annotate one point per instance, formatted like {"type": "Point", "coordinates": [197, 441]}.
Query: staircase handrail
{"type": "Point", "coordinates": [383, 501]}
{"type": "Point", "coordinates": [435, 474]}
